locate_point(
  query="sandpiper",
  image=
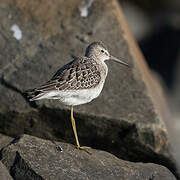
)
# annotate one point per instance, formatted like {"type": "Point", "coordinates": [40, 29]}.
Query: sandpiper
{"type": "Point", "coordinates": [78, 82]}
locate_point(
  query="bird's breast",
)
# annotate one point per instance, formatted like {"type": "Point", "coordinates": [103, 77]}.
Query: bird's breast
{"type": "Point", "coordinates": [103, 70]}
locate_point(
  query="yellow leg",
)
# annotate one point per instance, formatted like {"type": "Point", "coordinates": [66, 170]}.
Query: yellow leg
{"type": "Point", "coordinates": [75, 133]}
{"type": "Point", "coordinates": [74, 127]}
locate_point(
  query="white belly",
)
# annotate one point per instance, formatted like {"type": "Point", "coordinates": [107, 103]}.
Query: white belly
{"type": "Point", "coordinates": [75, 97]}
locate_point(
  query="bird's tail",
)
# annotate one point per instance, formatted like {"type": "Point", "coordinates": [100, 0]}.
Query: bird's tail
{"type": "Point", "coordinates": [34, 94]}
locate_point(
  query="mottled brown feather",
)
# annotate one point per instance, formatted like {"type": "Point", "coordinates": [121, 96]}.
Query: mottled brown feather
{"type": "Point", "coordinates": [81, 73]}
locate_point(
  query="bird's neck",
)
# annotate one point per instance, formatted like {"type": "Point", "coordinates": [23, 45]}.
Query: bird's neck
{"type": "Point", "coordinates": [101, 64]}
{"type": "Point", "coordinates": [90, 55]}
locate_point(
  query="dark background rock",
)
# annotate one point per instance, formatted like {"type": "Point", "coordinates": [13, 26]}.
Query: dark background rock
{"type": "Point", "coordinates": [30, 158]}
{"type": "Point", "coordinates": [156, 26]}
{"type": "Point", "coordinates": [127, 118]}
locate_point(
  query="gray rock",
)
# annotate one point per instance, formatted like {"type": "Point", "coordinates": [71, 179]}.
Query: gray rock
{"type": "Point", "coordinates": [32, 158]}
{"type": "Point", "coordinates": [4, 174]}
{"type": "Point", "coordinates": [4, 140]}
{"type": "Point", "coordinates": [127, 118]}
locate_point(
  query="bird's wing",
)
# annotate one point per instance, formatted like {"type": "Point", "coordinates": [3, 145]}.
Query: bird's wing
{"type": "Point", "coordinates": [81, 73]}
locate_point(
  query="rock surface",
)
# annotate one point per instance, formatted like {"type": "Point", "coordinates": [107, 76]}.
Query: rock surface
{"type": "Point", "coordinates": [127, 118]}
{"type": "Point", "coordinates": [4, 140]}
{"type": "Point", "coordinates": [4, 174]}
{"type": "Point", "coordinates": [31, 158]}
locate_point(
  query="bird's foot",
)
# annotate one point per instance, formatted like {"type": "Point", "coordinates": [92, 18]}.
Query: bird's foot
{"type": "Point", "coordinates": [84, 148]}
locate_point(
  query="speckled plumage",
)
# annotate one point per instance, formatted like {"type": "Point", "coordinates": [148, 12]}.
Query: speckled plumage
{"type": "Point", "coordinates": [81, 73]}
{"type": "Point", "coordinates": [79, 81]}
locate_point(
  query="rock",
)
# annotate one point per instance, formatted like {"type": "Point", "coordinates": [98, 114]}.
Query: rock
{"type": "Point", "coordinates": [4, 174]}
{"type": "Point", "coordinates": [128, 117]}
{"type": "Point", "coordinates": [31, 158]}
{"type": "Point", "coordinates": [4, 140]}
{"type": "Point", "coordinates": [174, 104]}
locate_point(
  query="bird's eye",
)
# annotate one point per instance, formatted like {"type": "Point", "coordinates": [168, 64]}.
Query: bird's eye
{"type": "Point", "coordinates": [102, 51]}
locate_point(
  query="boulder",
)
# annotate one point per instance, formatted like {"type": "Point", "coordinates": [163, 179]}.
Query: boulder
{"type": "Point", "coordinates": [31, 158]}
{"type": "Point", "coordinates": [4, 140]}
{"type": "Point", "coordinates": [38, 38]}
{"type": "Point", "coordinates": [4, 174]}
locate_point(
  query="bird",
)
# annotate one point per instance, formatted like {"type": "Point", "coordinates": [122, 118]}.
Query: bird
{"type": "Point", "coordinates": [78, 82]}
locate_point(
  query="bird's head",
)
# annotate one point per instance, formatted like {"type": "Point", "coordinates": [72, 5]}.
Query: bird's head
{"type": "Point", "coordinates": [98, 50]}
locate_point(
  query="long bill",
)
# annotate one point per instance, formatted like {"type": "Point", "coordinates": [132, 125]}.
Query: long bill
{"type": "Point", "coordinates": [119, 61]}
